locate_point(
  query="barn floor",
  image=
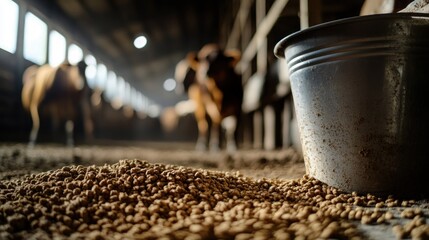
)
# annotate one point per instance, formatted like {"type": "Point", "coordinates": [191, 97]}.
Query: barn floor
{"type": "Point", "coordinates": [17, 161]}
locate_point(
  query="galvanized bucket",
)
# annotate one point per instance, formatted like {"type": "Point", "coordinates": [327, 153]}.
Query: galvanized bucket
{"type": "Point", "coordinates": [361, 88]}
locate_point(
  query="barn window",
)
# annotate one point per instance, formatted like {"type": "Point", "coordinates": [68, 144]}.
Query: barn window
{"type": "Point", "coordinates": [35, 39]}
{"type": "Point", "coordinates": [153, 110]}
{"type": "Point", "coordinates": [75, 54]}
{"type": "Point", "coordinates": [91, 71]}
{"type": "Point", "coordinates": [136, 103]}
{"type": "Point", "coordinates": [57, 48]}
{"type": "Point", "coordinates": [101, 76]}
{"type": "Point", "coordinates": [9, 12]}
{"type": "Point", "coordinates": [126, 93]}
{"type": "Point", "coordinates": [118, 99]}
{"type": "Point", "coordinates": [111, 86]}
{"type": "Point", "coordinates": [139, 102]}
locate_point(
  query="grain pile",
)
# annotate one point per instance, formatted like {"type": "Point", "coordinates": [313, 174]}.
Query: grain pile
{"type": "Point", "coordinates": [137, 200]}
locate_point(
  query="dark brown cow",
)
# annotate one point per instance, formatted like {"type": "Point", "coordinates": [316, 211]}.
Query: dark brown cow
{"type": "Point", "coordinates": [62, 91]}
{"type": "Point", "coordinates": [216, 89]}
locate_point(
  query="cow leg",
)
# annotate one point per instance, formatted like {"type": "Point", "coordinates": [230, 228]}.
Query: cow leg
{"type": "Point", "coordinates": [214, 137]}
{"type": "Point", "coordinates": [202, 134]}
{"type": "Point", "coordinates": [36, 124]}
{"type": "Point", "coordinates": [69, 132]}
{"type": "Point", "coordinates": [258, 131]}
{"type": "Point", "coordinates": [214, 114]}
{"type": "Point", "coordinates": [54, 111]}
{"type": "Point", "coordinates": [195, 95]}
{"type": "Point", "coordinates": [230, 125]}
{"type": "Point", "coordinates": [87, 120]}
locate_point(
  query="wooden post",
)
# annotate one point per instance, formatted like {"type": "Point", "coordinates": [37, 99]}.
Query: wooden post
{"type": "Point", "coordinates": [261, 55]}
{"type": "Point", "coordinates": [303, 14]}
{"type": "Point", "coordinates": [246, 35]}
{"type": "Point", "coordinates": [309, 16]}
{"type": "Point", "coordinates": [269, 128]}
{"type": "Point", "coordinates": [245, 27]}
{"type": "Point", "coordinates": [262, 31]}
{"type": "Point", "coordinates": [242, 15]}
{"type": "Point", "coordinates": [257, 130]}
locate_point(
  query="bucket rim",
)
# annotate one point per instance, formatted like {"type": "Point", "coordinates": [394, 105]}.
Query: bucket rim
{"type": "Point", "coordinates": [280, 47]}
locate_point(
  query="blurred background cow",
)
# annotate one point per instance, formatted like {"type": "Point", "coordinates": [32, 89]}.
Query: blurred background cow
{"type": "Point", "coordinates": [216, 91]}
{"type": "Point", "coordinates": [60, 92]}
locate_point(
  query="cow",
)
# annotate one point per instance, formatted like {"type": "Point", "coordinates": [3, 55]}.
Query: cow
{"type": "Point", "coordinates": [370, 7]}
{"type": "Point", "coordinates": [62, 92]}
{"type": "Point", "coordinates": [209, 78]}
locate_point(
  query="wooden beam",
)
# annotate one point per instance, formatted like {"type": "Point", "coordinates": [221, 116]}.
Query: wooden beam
{"type": "Point", "coordinates": [303, 14]}
{"type": "Point", "coordinates": [261, 32]}
{"type": "Point", "coordinates": [261, 56]}
{"type": "Point", "coordinates": [309, 13]}
{"type": "Point", "coordinates": [242, 15]}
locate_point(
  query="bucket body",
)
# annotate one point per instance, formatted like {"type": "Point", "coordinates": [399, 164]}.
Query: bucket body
{"type": "Point", "coordinates": [361, 88]}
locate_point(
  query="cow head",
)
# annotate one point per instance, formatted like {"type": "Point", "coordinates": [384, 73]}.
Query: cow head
{"type": "Point", "coordinates": [214, 63]}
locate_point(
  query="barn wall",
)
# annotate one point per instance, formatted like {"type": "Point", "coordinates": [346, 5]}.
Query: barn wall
{"type": "Point", "coordinates": [11, 112]}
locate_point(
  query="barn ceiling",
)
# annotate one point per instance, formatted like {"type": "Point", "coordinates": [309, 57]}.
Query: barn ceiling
{"type": "Point", "coordinates": [173, 27]}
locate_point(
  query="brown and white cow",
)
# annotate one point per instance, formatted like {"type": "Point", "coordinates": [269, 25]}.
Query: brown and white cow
{"type": "Point", "coordinates": [370, 7]}
{"type": "Point", "coordinates": [63, 92]}
{"type": "Point", "coordinates": [216, 89]}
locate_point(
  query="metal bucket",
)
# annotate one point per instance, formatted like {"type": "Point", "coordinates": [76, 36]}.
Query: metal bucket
{"type": "Point", "coordinates": [361, 88]}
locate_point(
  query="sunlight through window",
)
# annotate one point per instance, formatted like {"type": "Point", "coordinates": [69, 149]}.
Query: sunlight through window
{"type": "Point", "coordinates": [101, 76]}
{"type": "Point", "coordinates": [75, 54]}
{"type": "Point", "coordinates": [8, 25]}
{"type": "Point", "coordinates": [35, 39]}
{"type": "Point", "coordinates": [111, 86]}
{"type": "Point", "coordinates": [57, 48]}
{"type": "Point", "coordinates": [91, 71]}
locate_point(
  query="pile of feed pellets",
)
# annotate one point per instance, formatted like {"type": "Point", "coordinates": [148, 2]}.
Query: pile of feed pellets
{"type": "Point", "coordinates": [134, 199]}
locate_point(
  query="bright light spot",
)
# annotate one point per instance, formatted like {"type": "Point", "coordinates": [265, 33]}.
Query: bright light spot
{"type": "Point", "coordinates": [90, 60]}
{"type": "Point", "coordinates": [169, 85]}
{"type": "Point", "coordinates": [140, 41]}
{"type": "Point", "coordinates": [127, 92]}
{"type": "Point", "coordinates": [57, 48]}
{"type": "Point", "coordinates": [153, 110]}
{"type": "Point", "coordinates": [35, 34]}
{"type": "Point", "coordinates": [9, 12]}
{"type": "Point", "coordinates": [101, 76]}
{"type": "Point", "coordinates": [110, 86]}
{"type": "Point", "coordinates": [91, 72]}
{"type": "Point", "coordinates": [75, 54]}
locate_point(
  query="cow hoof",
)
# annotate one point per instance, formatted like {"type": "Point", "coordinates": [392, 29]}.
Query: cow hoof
{"type": "Point", "coordinates": [214, 148]}
{"type": "Point", "coordinates": [200, 147]}
{"type": "Point", "coordinates": [70, 143]}
{"type": "Point", "coordinates": [231, 148]}
{"type": "Point", "coordinates": [30, 145]}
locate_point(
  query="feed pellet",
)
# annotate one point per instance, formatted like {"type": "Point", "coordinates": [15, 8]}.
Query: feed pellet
{"type": "Point", "coordinates": [134, 199]}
